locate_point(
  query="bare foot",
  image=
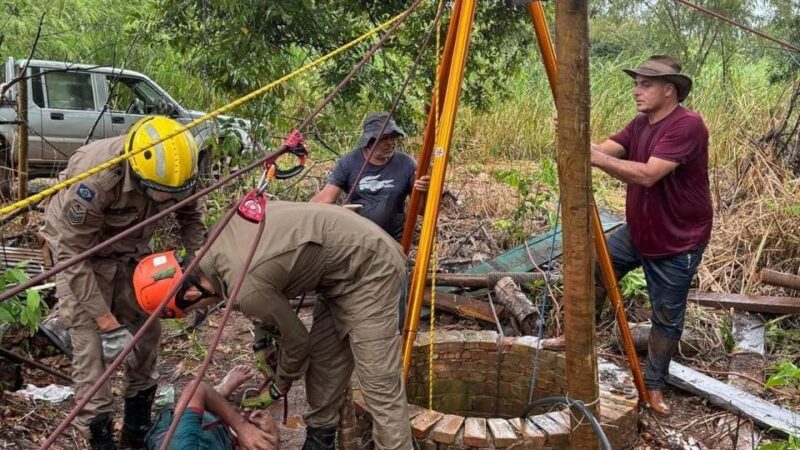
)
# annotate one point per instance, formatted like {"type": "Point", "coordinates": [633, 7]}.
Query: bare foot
{"type": "Point", "coordinates": [235, 378]}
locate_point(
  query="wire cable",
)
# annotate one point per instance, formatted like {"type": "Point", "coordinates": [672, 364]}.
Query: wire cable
{"type": "Point", "coordinates": [577, 404]}
{"type": "Point", "coordinates": [740, 25]}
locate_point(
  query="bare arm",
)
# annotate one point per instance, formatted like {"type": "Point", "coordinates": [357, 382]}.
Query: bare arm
{"type": "Point", "coordinates": [422, 185]}
{"type": "Point", "coordinates": [328, 194]}
{"type": "Point", "coordinates": [611, 148]}
{"type": "Point", "coordinates": [250, 436]}
{"type": "Point", "coordinates": [631, 172]}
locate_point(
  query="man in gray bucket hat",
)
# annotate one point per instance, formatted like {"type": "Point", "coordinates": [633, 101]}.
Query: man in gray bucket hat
{"type": "Point", "coordinates": [375, 178]}
{"type": "Point", "coordinates": [662, 155]}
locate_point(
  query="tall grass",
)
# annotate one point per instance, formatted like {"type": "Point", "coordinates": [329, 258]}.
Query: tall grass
{"type": "Point", "coordinates": [520, 126]}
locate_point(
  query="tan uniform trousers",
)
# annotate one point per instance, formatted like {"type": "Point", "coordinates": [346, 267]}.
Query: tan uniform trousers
{"type": "Point", "coordinates": [114, 280]}
{"type": "Point", "coordinates": [378, 367]}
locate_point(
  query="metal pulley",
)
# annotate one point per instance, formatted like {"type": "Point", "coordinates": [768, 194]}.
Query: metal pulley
{"type": "Point", "coordinates": [253, 206]}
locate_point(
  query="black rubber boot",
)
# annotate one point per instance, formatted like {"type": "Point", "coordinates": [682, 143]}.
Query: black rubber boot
{"type": "Point", "coordinates": [600, 295]}
{"type": "Point", "coordinates": [102, 433]}
{"type": "Point", "coordinates": [659, 353]}
{"type": "Point", "coordinates": [137, 418]}
{"type": "Point", "coordinates": [320, 439]}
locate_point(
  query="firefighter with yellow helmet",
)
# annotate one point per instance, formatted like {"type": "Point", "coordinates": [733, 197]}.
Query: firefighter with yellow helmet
{"type": "Point", "coordinates": [96, 300]}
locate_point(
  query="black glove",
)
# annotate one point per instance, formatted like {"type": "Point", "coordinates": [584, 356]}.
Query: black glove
{"type": "Point", "coordinates": [113, 342]}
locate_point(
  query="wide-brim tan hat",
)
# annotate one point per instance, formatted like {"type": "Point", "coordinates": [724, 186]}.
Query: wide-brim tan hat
{"type": "Point", "coordinates": [664, 66]}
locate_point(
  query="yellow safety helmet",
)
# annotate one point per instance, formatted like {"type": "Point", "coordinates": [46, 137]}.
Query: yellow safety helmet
{"type": "Point", "coordinates": [169, 166]}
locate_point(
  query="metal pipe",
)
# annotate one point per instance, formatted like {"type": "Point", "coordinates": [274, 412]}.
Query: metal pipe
{"type": "Point", "coordinates": [434, 113]}
{"type": "Point", "coordinates": [440, 156]}
{"type": "Point", "coordinates": [539, 20]}
{"type": "Point", "coordinates": [615, 297]}
{"type": "Point", "coordinates": [10, 355]}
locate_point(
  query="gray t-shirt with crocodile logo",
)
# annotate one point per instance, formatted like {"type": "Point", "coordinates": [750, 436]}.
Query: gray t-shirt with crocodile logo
{"type": "Point", "coordinates": [382, 190]}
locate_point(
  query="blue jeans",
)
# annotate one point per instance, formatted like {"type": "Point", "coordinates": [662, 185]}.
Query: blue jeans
{"type": "Point", "coordinates": [668, 281]}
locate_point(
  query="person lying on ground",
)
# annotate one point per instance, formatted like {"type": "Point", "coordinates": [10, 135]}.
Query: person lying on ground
{"type": "Point", "coordinates": [210, 422]}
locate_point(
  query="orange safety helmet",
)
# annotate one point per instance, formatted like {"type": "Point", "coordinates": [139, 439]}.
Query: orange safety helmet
{"type": "Point", "coordinates": [155, 276]}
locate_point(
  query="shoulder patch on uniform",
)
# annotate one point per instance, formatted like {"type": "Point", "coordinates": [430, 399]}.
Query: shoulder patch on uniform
{"type": "Point", "coordinates": [76, 214]}
{"type": "Point", "coordinates": [85, 192]}
{"type": "Point", "coordinates": [107, 179]}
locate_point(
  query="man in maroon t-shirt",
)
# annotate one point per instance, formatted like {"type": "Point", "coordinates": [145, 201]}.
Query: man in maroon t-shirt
{"type": "Point", "coordinates": [662, 155]}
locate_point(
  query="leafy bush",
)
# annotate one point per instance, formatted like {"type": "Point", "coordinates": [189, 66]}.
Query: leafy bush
{"type": "Point", "coordinates": [634, 285]}
{"type": "Point", "coordinates": [787, 375]}
{"type": "Point", "coordinates": [16, 311]}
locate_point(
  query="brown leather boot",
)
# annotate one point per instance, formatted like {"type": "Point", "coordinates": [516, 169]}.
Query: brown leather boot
{"type": "Point", "coordinates": [657, 403]}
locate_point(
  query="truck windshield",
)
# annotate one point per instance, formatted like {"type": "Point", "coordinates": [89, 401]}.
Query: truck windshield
{"type": "Point", "coordinates": [136, 96]}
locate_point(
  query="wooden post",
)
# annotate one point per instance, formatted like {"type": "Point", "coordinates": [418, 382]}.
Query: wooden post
{"type": "Point", "coordinates": [22, 138]}
{"type": "Point", "coordinates": [600, 244]}
{"type": "Point", "coordinates": [575, 181]}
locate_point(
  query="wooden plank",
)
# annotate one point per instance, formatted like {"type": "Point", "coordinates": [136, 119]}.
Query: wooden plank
{"type": "Point", "coordinates": [753, 303]}
{"type": "Point", "coordinates": [446, 429]}
{"type": "Point", "coordinates": [727, 397]}
{"type": "Point", "coordinates": [14, 256]}
{"type": "Point", "coordinates": [422, 423]}
{"type": "Point", "coordinates": [475, 432]}
{"type": "Point", "coordinates": [502, 432]}
{"type": "Point", "coordinates": [464, 306]}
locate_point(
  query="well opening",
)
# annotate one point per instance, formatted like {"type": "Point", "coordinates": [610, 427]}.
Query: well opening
{"type": "Point", "coordinates": [479, 391]}
{"type": "Point", "coordinates": [471, 378]}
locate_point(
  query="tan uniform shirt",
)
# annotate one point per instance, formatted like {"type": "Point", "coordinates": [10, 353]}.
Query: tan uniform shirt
{"type": "Point", "coordinates": [98, 208]}
{"type": "Point", "coordinates": [305, 246]}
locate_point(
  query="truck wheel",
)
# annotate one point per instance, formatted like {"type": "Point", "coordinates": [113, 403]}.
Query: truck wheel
{"type": "Point", "coordinates": [205, 166]}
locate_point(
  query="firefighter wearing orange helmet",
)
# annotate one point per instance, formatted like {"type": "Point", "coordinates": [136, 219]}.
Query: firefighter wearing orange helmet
{"type": "Point", "coordinates": [356, 269]}
{"type": "Point", "coordinates": [96, 301]}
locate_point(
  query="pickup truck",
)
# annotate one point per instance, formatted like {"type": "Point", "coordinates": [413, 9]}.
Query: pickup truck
{"type": "Point", "coordinates": [65, 100]}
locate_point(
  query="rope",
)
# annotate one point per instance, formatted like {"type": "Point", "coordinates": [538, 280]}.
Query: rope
{"type": "Point", "coordinates": [234, 104]}
{"type": "Point", "coordinates": [431, 334]}
{"type": "Point", "coordinates": [240, 281]}
{"type": "Point", "coordinates": [740, 25]}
